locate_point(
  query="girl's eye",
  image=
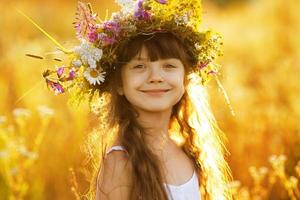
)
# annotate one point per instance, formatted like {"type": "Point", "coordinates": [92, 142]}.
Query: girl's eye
{"type": "Point", "coordinates": [170, 66]}
{"type": "Point", "coordinates": [138, 67]}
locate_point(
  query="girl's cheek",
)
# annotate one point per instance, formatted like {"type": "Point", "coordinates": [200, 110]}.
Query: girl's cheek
{"type": "Point", "coordinates": [177, 78]}
{"type": "Point", "coordinates": [135, 80]}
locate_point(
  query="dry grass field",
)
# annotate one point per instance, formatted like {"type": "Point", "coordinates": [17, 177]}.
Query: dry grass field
{"type": "Point", "coordinates": [42, 135]}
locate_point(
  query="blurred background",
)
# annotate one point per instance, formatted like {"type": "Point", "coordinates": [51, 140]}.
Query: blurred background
{"type": "Point", "coordinates": [42, 136]}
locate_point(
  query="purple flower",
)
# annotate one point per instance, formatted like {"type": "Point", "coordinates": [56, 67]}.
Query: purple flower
{"type": "Point", "coordinates": [203, 65]}
{"type": "Point", "coordinates": [140, 4]}
{"type": "Point", "coordinates": [93, 36]}
{"type": "Point", "coordinates": [140, 12]}
{"type": "Point", "coordinates": [112, 26]}
{"type": "Point", "coordinates": [162, 1]}
{"type": "Point", "coordinates": [72, 75]}
{"type": "Point", "coordinates": [105, 39]}
{"type": "Point", "coordinates": [60, 71]}
{"type": "Point", "coordinates": [56, 87]}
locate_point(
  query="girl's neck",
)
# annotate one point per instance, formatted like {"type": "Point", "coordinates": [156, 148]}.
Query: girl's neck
{"type": "Point", "coordinates": [156, 125]}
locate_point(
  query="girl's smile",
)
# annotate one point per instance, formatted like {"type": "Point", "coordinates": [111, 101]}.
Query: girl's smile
{"type": "Point", "coordinates": [155, 92]}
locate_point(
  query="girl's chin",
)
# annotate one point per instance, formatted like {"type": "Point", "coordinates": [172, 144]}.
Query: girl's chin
{"type": "Point", "coordinates": [154, 108]}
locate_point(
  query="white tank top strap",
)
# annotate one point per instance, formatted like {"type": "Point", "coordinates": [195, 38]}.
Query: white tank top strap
{"type": "Point", "coordinates": [116, 148]}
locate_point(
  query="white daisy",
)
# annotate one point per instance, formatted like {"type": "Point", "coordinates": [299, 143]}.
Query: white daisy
{"type": "Point", "coordinates": [88, 53]}
{"type": "Point", "coordinates": [94, 76]}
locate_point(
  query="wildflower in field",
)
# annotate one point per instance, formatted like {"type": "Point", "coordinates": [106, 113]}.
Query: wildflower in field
{"type": "Point", "coordinates": [278, 163]}
{"type": "Point", "coordinates": [26, 153]}
{"type": "Point", "coordinates": [3, 154]}
{"type": "Point", "coordinates": [45, 111]}
{"type": "Point", "coordinates": [234, 186]}
{"type": "Point", "coordinates": [2, 119]}
{"type": "Point", "coordinates": [258, 175]}
{"type": "Point", "coordinates": [293, 182]}
{"type": "Point", "coordinates": [21, 112]}
{"type": "Point", "coordinates": [14, 171]}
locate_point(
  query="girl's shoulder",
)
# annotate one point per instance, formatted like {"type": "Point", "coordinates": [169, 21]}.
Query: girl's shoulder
{"type": "Point", "coordinates": [116, 157]}
{"type": "Point", "coordinates": [115, 175]}
{"type": "Point", "coordinates": [116, 160]}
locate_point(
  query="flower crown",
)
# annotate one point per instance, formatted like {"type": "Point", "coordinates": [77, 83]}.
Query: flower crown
{"type": "Point", "coordinates": [88, 64]}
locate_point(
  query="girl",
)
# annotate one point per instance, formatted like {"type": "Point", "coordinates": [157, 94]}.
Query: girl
{"type": "Point", "coordinates": [150, 96]}
{"type": "Point", "coordinates": [148, 65]}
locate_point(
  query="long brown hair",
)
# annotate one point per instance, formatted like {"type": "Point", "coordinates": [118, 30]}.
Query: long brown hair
{"type": "Point", "coordinates": [147, 177]}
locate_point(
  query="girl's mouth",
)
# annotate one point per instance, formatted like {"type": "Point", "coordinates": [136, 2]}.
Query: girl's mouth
{"type": "Point", "coordinates": [155, 92]}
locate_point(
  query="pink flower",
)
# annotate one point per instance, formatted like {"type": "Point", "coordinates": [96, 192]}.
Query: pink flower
{"type": "Point", "coordinates": [105, 39]}
{"type": "Point", "coordinates": [92, 36]}
{"type": "Point", "coordinates": [162, 1]}
{"type": "Point", "coordinates": [203, 65]}
{"type": "Point", "coordinates": [112, 26]}
{"type": "Point", "coordinates": [85, 20]}
{"type": "Point", "coordinates": [72, 75]}
{"type": "Point", "coordinates": [140, 12]}
{"type": "Point", "coordinates": [112, 31]}
{"type": "Point", "coordinates": [60, 71]}
{"type": "Point", "coordinates": [140, 4]}
{"type": "Point", "coordinates": [56, 87]}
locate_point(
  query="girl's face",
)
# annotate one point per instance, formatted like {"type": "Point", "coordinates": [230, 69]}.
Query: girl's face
{"type": "Point", "coordinates": [152, 86]}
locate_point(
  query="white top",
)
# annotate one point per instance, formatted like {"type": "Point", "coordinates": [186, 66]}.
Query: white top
{"type": "Point", "coordinates": [186, 191]}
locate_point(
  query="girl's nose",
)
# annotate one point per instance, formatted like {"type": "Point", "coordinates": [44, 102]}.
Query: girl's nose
{"type": "Point", "coordinates": [155, 74]}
